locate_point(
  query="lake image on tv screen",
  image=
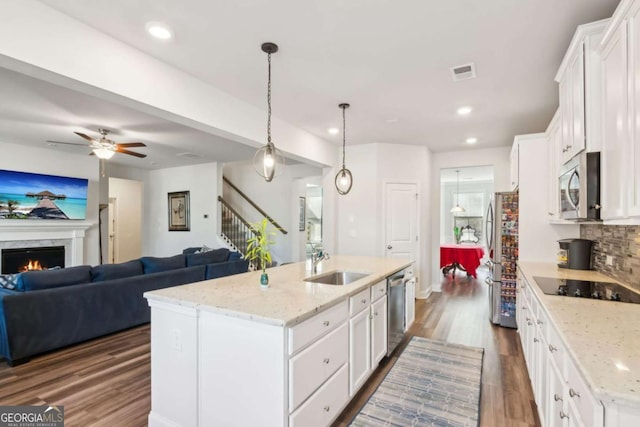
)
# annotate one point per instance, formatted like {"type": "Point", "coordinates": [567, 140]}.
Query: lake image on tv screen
{"type": "Point", "coordinates": [35, 196]}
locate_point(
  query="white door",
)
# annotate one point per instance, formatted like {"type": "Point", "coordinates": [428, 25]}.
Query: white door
{"type": "Point", "coordinates": [401, 220]}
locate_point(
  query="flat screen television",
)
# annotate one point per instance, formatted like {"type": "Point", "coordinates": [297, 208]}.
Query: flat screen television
{"type": "Point", "coordinates": [25, 195]}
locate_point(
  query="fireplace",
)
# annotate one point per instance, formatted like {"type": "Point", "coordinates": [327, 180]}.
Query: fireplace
{"type": "Point", "coordinates": [37, 258]}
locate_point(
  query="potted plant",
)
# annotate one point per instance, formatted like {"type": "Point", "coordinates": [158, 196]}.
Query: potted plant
{"type": "Point", "coordinates": [258, 248]}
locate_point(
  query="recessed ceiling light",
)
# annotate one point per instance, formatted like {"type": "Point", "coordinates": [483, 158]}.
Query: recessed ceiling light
{"type": "Point", "coordinates": [463, 111]}
{"type": "Point", "coordinates": [471, 140]}
{"type": "Point", "coordinates": [333, 131]}
{"type": "Point", "coordinates": [392, 120]}
{"type": "Point", "coordinates": [159, 30]}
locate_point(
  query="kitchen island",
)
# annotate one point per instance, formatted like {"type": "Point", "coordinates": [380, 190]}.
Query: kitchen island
{"type": "Point", "coordinates": [226, 352]}
{"type": "Point", "coordinates": [582, 354]}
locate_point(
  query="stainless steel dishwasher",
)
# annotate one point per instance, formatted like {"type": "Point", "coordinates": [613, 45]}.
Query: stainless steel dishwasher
{"type": "Point", "coordinates": [395, 310]}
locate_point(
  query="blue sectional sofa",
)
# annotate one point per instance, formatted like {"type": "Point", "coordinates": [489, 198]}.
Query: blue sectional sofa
{"type": "Point", "coordinates": [51, 309]}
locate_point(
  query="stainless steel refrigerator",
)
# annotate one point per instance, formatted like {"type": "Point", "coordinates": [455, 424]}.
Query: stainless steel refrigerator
{"type": "Point", "coordinates": [501, 231]}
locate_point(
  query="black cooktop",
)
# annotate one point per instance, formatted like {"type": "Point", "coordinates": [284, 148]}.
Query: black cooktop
{"type": "Point", "coordinates": [607, 291]}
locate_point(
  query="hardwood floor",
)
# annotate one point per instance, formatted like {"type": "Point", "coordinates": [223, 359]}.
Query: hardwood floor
{"type": "Point", "coordinates": [106, 382]}
{"type": "Point", "coordinates": [460, 314]}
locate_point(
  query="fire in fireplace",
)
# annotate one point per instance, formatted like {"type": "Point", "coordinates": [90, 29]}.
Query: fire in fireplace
{"type": "Point", "coordinates": [39, 258]}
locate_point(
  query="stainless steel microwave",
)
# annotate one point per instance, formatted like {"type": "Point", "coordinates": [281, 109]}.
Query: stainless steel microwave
{"type": "Point", "coordinates": [580, 188]}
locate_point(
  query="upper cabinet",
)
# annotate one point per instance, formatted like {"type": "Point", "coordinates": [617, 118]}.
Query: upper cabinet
{"type": "Point", "coordinates": [514, 162]}
{"type": "Point", "coordinates": [620, 158]}
{"type": "Point", "coordinates": [580, 86]}
{"type": "Point", "coordinates": [554, 135]}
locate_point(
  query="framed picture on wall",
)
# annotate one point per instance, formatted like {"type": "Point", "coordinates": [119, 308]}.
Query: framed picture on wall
{"type": "Point", "coordinates": [303, 214]}
{"type": "Point", "coordinates": [179, 211]}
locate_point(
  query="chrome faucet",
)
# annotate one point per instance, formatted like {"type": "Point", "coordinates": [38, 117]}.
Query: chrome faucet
{"type": "Point", "coordinates": [316, 257]}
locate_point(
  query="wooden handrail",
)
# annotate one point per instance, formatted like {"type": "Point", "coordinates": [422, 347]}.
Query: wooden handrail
{"type": "Point", "coordinates": [255, 206]}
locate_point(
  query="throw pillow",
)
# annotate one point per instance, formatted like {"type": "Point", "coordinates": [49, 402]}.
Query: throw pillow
{"type": "Point", "coordinates": [204, 248]}
{"type": "Point", "coordinates": [210, 257]}
{"type": "Point", "coordinates": [157, 265]}
{"type": "Point", "coordinates": [103, 272]}
{"type": "Point", "coordinates": [48, 279]}
{"type": "Point", "coordinates": [9, 281]}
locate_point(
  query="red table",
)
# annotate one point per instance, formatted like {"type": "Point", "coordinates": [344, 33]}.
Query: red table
{"type": "Point", "coordinates": [462, 257]}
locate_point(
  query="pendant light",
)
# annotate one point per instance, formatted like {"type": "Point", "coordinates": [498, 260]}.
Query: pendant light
{"type": "Point", "coordinates": [268, 157]}
{"type": "Point", "coordinates": [457, 208]}
{"type": "Point", "coordinates": [344, 179]}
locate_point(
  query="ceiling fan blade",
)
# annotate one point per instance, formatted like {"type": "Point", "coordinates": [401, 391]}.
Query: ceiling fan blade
{"type": "Point", "coordinates": [131, 144]}
{"type": "Point", "coordinates": [82, 135]}
{"type": "Point", "coordinates": [67, 143]}
{"type": "Point", "coordinates": [131, 153]}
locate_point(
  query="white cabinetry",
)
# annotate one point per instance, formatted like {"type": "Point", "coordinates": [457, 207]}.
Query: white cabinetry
{"type": "Point", "coordinates": [620, 52]}
{"type": "Point", "coordinates": [561, 393]}
{"type": "Point", "coordinates": [367, 333]}
{"type": "Point", "coordinates": [514, 162]}
{"type": "Point", "coordinates": [410, 303]}
{"type": "Point", "coordinates": [554, 135]}
{"type": "Point", "coordinates": [614, 177]}
{"type": "Point", "coordinates": [580, 86]}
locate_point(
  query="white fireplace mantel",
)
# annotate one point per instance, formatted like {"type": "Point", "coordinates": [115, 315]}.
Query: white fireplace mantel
{"type": "Point", "coordinates": [70, 233]}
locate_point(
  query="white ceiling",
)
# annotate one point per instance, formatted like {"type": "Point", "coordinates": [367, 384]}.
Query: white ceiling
{"type": "Point", "coordinates": [390, 59]}
{"type": "Point", "coordinates": [474, 173]}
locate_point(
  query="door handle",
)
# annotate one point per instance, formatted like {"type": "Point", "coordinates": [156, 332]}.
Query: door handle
{"type": "Point", "coordinates": [389, 247]}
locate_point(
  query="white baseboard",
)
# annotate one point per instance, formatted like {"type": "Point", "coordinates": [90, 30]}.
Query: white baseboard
{"type": "Point", "coordinates": [424, 294]}
{"type": "Point", "coordinates": [156, 420]}
{"type": "Point", "coordinates": [436, 287]}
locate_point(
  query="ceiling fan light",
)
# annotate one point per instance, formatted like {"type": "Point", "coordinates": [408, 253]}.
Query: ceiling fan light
{"type": "Point", "coordinates": [103, 153]}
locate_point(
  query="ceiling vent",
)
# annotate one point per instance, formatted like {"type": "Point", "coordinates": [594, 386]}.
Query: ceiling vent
{"type": "Point", "coordinates": [464, 72]}
{"type": "Point", "coordinates": [189, 155]}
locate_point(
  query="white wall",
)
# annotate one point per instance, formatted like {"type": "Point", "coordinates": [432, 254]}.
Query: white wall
{"type": "Point", "coordinates": [128, 195]}
{"type": "Point", "coordinates": [51, 162]}
{"type": "Point", "coordinates": [496, 157]}
{"type": "Point", "coordinates": [537, 238]}
{"type": "Point", "coordinates": [37, 40]}
{"type": "Point", "coordinates": [202, 183]}
{"type": "Point", "coordinates": [359, 221]}
{"type": "Point", "coordinates": [278, 198]}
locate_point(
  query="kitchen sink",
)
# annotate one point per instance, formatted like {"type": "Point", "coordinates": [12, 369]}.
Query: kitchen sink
{"type": "Point", "coordinates": [337, 277]}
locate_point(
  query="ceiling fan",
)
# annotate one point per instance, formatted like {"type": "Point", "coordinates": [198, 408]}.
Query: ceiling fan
{"type": "Point", "coordinates": [104, 148]}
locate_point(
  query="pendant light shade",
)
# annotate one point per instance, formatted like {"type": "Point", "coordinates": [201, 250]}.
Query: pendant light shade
{"type": "Point", "coordinates": [268, 159]}
{"type": "Point", "coordinates": [457, 208]}
{"type": "Point", "coordinates": [344, 179]}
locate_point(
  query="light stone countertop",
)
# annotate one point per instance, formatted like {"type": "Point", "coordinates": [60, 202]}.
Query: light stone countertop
{"type": "Point", "coordinates": [289, 299]}
{"type": "Point", "coordinates": [602, 337]}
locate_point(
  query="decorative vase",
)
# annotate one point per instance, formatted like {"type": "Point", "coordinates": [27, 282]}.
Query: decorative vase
{"type": "Point", "coordinates": [457, 234]}
{"type": "Point", "coordinates": [264, 280]}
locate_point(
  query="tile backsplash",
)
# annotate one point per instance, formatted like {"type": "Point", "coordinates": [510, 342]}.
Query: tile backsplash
{"type": "Point", "coordinates": [622, 244]}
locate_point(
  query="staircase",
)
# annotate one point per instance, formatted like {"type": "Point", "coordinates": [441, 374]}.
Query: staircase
{"type": "Point", "coordinates": [235, 230]}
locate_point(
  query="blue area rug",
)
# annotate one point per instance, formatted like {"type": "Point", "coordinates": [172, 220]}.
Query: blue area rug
{"type": "Point", "coordinates": [433, 383]}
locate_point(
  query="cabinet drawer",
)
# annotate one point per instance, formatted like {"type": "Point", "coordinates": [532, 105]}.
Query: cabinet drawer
{"type": "Point", "coordinates": [313, 328]}
{"type": "Point", "coordinates": [589, 409]}
{"type": "Point", "coordinates": [309, 369]}
{"type": "Point", "coordinates": [359, 302]}
{"type": "Point", "coordinates": [323, 407]}
{"type": "Point", "coordinates": [378, 290]}
{"type": "Point", "coordinates": [556, 348]}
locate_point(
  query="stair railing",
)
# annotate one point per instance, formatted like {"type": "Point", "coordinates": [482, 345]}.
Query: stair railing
{"type": "Point", "coordinates": [255, 206]}
{"type": "Point", "coordinates": [235, 229]}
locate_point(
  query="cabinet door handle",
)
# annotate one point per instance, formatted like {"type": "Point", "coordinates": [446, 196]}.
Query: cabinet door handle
{"type": "Point", "coordinates": [529, 323]}
{"type": "Point", "coordinates": [375, 313]}
{"type": "Point", "coordinates": [326, 361]}
{"type": "Point", "coordinates": [552, 348]}
{"type": "Point", "coordinates": [325, 323]}
{"type": "Point", "coordinates": [524, 308]}
{"type": "Point", "coordinates": [557, 398]}
{"type": "Point", "coordinates": [527, 319]}
{"type": "Point", "coordinates": [327, 408]}
{"type": "Point", "coordinates": [539, 322]}
{"type": "Point", "coordinates": [364, 301]}
{"type": "Point", "coordinates": [563, 415]}
{"type": "Point", "coordinates": [573, 393]}
{"type": "Point", "coordinates": [536, 340]}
